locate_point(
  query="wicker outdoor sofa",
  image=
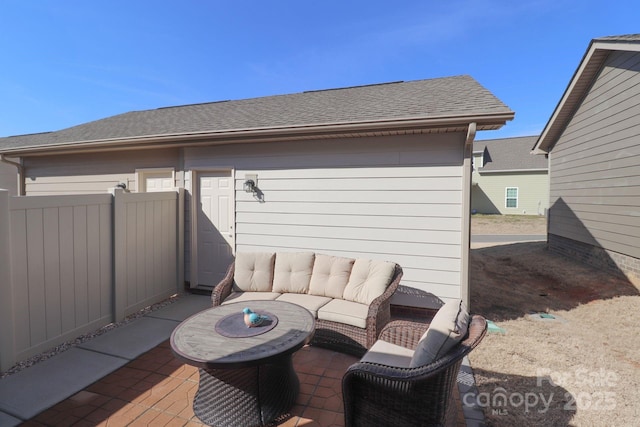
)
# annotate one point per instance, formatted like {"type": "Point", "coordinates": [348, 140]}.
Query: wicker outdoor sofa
{"type": "Point", "coordinates": [350, 298]}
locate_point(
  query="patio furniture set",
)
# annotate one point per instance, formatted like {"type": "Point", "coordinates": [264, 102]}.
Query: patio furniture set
{"type": "Point", "coordinates": [407, 371]}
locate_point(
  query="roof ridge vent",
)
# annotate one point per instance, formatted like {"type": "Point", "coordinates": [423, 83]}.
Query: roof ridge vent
{"type": "Point", "coordinates": [29, 134]}
{"type": "Point", "coordinates": [193, 105]}
{"type": "Point", "coordinates": [354, 87]}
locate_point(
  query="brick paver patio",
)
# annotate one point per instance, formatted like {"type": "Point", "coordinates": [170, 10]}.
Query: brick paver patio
{"type": "Point", "coordinates": [157, 390]}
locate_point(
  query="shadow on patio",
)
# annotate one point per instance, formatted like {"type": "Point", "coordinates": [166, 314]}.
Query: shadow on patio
{"type": "Point", "coordinates": [157, 389]}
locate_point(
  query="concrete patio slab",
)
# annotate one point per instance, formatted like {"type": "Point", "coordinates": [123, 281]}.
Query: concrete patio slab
{"type": "Point", "coordinates": [133, 339]}
{"type": "Point", "coordinates": [7, 420]}
{"type": "Point", "coordinates": [30, 391]}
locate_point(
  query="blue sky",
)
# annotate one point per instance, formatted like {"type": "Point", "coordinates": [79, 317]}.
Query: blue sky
{"type": "Point", "coordinates": [68, 62]}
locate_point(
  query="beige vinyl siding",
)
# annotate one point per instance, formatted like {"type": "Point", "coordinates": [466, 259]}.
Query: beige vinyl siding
{"type": "Point", "coordinates": [390, 198]}
{"type": "Point", "coordinates": [595, 183]}
{"type": "Point", "coordinates": [9, 178]}
{"type": "Point", "coordinates": [489, 196]}
{"type": "Point", "coordinates": [93, 172]}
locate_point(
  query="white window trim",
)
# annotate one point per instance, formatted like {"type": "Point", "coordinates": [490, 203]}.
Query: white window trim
{"type": "Point", "coordinates": [140, 176]}
{"type": "Point", "coordinates": [506, 192]}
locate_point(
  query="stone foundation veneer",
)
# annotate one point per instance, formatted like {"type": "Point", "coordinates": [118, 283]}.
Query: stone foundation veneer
{"type": "Point", "coordinates": [614, 262]}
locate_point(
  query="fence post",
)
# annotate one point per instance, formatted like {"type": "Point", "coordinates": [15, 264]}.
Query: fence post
{"type": "Point", "coordinates": [119, 254]}
{"type": "Point", "coordinates": [7, 348]}
{"type": "Point", "coordinates": [180, 240]}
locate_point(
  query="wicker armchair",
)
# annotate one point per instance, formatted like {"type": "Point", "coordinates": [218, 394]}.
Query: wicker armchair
{"type": "Point", "coordinates": [379, 395]}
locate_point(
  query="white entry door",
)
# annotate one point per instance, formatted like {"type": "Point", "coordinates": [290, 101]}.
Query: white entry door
{"type": "Point", "coordinates": [215, 226]}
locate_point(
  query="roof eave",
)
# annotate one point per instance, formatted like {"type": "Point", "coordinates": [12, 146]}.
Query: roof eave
{"type": "Point", "coordinates": [484, 121]}
{"type": "Point", "coordinates": [483, 172]}
{"type": "Point", "coordinates": [582, 79]}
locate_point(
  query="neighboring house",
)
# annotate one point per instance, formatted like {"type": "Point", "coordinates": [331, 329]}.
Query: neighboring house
{"type": "Point", "coordinates": [593, 143]}
{"type": "Point", "coordinates": [378, 171]}
{"type": "Point", "coordinates": [508, 179]}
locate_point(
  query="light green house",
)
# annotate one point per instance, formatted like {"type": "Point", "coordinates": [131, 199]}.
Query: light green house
{"type": "Point", "coordinates": [507, 179]}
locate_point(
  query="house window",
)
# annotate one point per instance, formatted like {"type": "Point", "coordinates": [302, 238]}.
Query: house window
{"type": "Point", "coordinates": [511, 197]}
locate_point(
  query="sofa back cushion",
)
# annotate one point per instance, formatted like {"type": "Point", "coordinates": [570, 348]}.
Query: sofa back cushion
{"type": "Point", "coordinates": [368, 280]}
{"type": "Point", "coordinates": [253, 272]}
{"type": "Point", "coordinates": [292, 272]}
{"type": "Point", "coordinates": [330, 276]}
{"type": "Point", "coordinates": [448, 328]}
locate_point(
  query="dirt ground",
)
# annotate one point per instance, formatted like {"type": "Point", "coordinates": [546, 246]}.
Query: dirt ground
{"type": "Point", "coordinates": [508, 224]}
{"type": "Point", "coordinates": [579, 368]}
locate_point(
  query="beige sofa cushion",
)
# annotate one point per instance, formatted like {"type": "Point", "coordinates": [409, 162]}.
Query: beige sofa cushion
{"type": "Point", "coordinates": [347, 312]}
{"type": "Point", "coordinates": [368, 280]}
{"type": "Point", "coordinates": [386, 353]}
{"type": "Point", "coordinates": [250, 296]}
{"type": "Point", "coordinates": [292, 272]}
{"type": "Point", "coordinates": [310, 302]}
{"type": "Point", "coordinates": [448, 328]}
{"type": "Point", "coordinates": [253, 271]}
{"type": "Point", "coordinates": [330, 275]}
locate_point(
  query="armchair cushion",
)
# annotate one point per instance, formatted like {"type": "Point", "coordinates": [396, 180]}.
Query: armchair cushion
{"type": "Point", "coordinates": [330, 275]}
{"type": "Point", "coordinates": [448, 327]}
{"type": "Point", "coordinates": [368, 280]}
{"type": "Point", "coordinates": [292, 272]}
{"type": "Point", "coordinates": [253, 272]}
{"type": "Point", "coordinates": [389, 354]}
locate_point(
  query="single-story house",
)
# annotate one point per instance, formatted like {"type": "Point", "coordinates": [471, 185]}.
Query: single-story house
{"type": "Point", "coordinates": [593, 143]}
{"type": "Point", "coordinates": [380, 171]}
{"type": "Point", "coordinates": [508, 179]}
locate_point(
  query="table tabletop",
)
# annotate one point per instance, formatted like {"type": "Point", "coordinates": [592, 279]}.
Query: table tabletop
{"type": "Point", "coordinates": [196, 341]}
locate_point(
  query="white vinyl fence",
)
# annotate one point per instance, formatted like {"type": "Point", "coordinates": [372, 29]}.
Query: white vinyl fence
{"type": "Point", "coordinates": [72, 264]}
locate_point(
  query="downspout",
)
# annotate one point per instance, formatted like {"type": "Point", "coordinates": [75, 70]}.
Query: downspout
{"type": "Point", "coordinates": [471, 135]}
{"type": "Point", "coordinates": [20, 167]}
{"type": "Point", "coordinates": [466, 215]}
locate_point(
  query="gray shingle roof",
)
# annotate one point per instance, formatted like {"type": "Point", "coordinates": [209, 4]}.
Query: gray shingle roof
{"type": "Point", "coordinates": [510, 154]}
{"type": "Point", "coordinates": [622, 38]}
{"type": "Point", "coordinates": [420, 99]}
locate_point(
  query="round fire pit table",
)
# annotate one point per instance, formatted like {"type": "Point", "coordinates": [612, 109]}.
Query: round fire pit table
{"type": "Point", "coordinates": [246, 374]}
